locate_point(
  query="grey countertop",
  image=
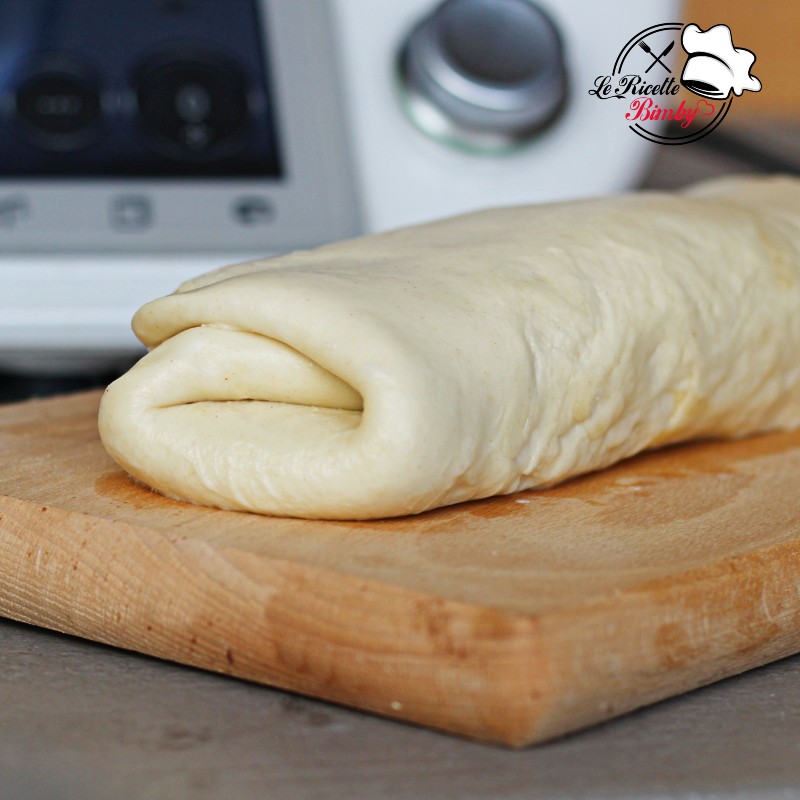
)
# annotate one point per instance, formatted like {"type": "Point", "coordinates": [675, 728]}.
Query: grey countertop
{"type": "Point", "coordinates": [79, 720]}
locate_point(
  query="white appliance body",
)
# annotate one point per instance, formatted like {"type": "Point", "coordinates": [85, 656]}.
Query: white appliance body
{"type": "Point", "coordinates": [74, 267]}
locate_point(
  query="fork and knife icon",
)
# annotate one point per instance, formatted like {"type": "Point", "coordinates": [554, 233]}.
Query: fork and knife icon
{"type": "Point", "coordinates": [657, 58]}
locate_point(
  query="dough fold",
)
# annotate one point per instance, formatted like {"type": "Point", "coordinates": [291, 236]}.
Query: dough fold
{"type": "Point", "coordinates": [474, 356]}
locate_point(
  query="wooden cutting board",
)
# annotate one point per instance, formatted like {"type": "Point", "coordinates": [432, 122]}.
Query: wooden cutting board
{"type": "Point", "coordinates": [513, 619]}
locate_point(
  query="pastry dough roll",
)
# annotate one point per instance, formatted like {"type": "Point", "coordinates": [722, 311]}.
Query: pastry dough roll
{"type": "Point", "coordinates": [479, 355]}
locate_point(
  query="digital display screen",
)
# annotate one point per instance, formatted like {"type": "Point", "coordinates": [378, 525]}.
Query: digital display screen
{"type": "Point", "coordinates": [135, 89]}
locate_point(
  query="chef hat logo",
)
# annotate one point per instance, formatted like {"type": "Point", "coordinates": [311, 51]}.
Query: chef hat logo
{"type": "Point", "coordinates": [715, 67]}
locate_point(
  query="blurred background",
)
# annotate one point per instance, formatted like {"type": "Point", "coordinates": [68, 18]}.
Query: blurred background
{"type": "Point", "coordinates": [762, 131]}
{"type": "Point", "coordinates": [143, 142]}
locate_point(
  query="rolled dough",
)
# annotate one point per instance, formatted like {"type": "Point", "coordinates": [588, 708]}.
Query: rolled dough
{"type": "Point", "coordinates": [474, 356]}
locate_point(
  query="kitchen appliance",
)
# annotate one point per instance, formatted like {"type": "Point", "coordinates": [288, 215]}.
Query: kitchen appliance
{"type": "Point", "coordinates": [145, 141]}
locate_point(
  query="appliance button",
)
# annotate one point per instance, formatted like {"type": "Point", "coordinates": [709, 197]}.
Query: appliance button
{"type": "Point", "coordinates": [59, 105]}
{"type": "Point", "coordinates": [483, 72]}
{"type": "Point", "coordinates": [13, 209]}
{"type": "Point", "coordinates": [252, 211]}
{"type": "Point", "coordinates": [193, 106]}
{"type": "Point", "coordinates": [131, 213]}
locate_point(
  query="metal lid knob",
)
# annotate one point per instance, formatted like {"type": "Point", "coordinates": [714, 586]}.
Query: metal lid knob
{"type": "Point", "coordinates": [484, 72]}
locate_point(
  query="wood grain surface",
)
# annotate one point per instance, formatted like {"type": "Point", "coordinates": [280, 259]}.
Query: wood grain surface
{"type": "Point", "coordinates": [512, 620]}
